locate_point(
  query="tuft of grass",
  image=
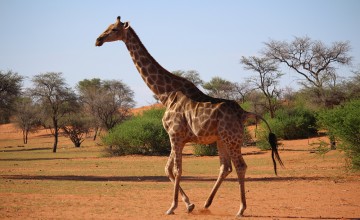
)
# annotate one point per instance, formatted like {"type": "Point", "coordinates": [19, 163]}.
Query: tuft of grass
{"type": "Point", "coordinates": [321, 147]}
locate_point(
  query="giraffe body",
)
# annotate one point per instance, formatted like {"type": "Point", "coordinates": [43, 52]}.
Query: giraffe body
{"type": "Point", "coordinates": [190, 116]}
{"type": "Point", "coordinates": [186, 121]}
{"type": "Point", "coordinates": [203, 122]}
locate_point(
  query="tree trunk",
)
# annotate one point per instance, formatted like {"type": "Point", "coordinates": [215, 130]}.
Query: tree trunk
{"type": "Point", "coordinates": [271, 107]}
{"type": "Point", "coordinates": [332, 142]}
{"type": "Point", "coordinates": [77, 144]}
{"type": "Point", "coordinates": [95, 135]}
{"type": "Point", "coordinates": [56, 134]}
{"type": "Point", "coordinates": [26, 136]}
{"type": "Point", "coordinates": [55, 141]}
{"type": "Point", "coordinates": [23, 134]}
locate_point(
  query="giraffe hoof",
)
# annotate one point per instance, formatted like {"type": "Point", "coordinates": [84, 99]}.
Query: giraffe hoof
{"type": "Point", "coordinates": [170, 212]}
{"type": "Point", "coordinates": [207, 204]}
{"type": "Point", "coordinates": [239, 215]}
{"type": "Point", "coordinates": [190, 208]}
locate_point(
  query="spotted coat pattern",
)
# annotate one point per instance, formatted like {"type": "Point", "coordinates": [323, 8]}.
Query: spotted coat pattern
{"type": "Point", "coordinates": [191, 116]}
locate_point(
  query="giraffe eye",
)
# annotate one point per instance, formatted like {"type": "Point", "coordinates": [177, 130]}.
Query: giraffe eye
{"type": "Point", "coordinates": [114, 30]}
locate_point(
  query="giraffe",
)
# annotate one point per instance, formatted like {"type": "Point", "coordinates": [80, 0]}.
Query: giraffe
{"type": "Point", "coordinates": [190, 116]}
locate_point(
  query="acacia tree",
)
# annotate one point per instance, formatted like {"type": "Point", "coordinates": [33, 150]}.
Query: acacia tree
{"type": "Point", "coordinates": [191, 75]}
{"type": "Point", "coordinates": [55, 99]}
{"type": "Point", "coordinates": [10, 89]}
{"type": "Point", "coordinates": [219, 88]}
{"type": "Point", "coordinates": [27, 116]}
{"type": "Point", "coordinates": [115, 104]}
{"type": "Point", "coordinates": [76, 126]}
{"type": "Point", "coordinates": [313, 60]}
{"type": "Point", "coordinates": [89, 90]}
{"type": "Point", "coordinates": [267, 79]}
{"type": "Point", "coordinates": [108, 101]}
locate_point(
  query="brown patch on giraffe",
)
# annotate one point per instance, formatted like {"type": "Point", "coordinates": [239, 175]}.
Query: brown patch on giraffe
{"type": "Point", "coordinates": [144, 61]}
{"type": "Point", "coordinates": [152, 69]}
{"type": "Point", "coordinates": [150, 80]}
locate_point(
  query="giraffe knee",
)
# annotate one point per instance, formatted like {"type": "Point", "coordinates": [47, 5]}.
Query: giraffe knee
{"type": "Point", "coordinates": [242, 167]}
{"type": "Point", "coordinates": [167, 171]}
{"type": "Point", "coordinates": [225, 170]}
{"type": "Point", "coordinates": [177, 171]}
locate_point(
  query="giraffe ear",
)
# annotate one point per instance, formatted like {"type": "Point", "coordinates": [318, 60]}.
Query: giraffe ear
{"type": "Point", "coordinates": [126, 25]}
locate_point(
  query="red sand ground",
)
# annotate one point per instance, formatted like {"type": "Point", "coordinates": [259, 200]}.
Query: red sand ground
{"type": "Point", "coordinates": [315, 188]}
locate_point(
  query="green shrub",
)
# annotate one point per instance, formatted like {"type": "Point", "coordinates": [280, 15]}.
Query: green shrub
{"type": "Point", "coordinates": [205, 149]}
{"type": "Point", "coordinates": [344, 123]}
{"type": "Point", "coordinates": [246, 106]}
{"type": "Point", "coordinates": [142, 134]}
{"type": "Point", "coordinates": [262, 139]}
{"type": "Point", "coordinates": [293, 123]}
{"type": "Point", "coordinates": [288, 124]}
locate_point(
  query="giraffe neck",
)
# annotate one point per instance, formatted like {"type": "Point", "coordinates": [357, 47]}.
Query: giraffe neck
{"type": "Point", "coordinates": [153, 74]}
{"type": "Point", "coordinates": [161, 82]}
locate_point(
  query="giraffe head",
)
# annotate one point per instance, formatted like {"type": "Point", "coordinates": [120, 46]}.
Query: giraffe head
{"type": "Point", "coordinates": [114, 32]}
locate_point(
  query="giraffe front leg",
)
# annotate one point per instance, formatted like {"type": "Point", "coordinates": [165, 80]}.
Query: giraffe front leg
{"type": "Point", "coordinates": [169, 172]}
{"type": "Point", "coordinates": [177, 173]}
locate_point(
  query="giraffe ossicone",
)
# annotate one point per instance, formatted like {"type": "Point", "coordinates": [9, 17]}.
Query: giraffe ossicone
{"type": "Point", "coordinates": [190, 116]}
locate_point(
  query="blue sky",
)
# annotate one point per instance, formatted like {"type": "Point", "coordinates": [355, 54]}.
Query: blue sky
{"type": "Point", "coordinates": [39, 36]}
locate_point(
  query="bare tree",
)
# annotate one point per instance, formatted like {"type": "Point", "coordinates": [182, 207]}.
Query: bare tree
{"type": "Point", "coordinates": [109, 101]}
{"type": "Point", "coordinates": [352, 87]}
{"type": "Point", "coordinates": [26, 116]}
{"type": "Point", "coordinates": [288, 94]}
{"type": "Point", "coordinates": [256, 98]}
{"type": "Point", "coordinates": [313, 60]}
{"type": "Point", "coordinates": [55, 98]}
{"type": "Point", "coordinates": [241, 91]}
{"type": "Point", "coordinates": [267, 79]}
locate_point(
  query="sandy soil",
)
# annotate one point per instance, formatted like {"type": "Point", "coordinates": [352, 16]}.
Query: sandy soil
{"type": "Point", "coordinates": [310, 187]}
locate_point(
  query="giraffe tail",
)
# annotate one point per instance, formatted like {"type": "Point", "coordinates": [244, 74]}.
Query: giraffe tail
{"type": "Point", "coordinates": [272, 141]}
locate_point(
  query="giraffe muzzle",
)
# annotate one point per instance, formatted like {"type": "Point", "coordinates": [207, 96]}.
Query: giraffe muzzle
{"type": "Point", "coordinates": [99, 42]}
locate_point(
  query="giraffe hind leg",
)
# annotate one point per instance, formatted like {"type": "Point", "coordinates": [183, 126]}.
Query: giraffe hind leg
{"type": "Point", "coordinates": [225, 170]}
{"type": "Point", "coordinates": [240, 167]}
